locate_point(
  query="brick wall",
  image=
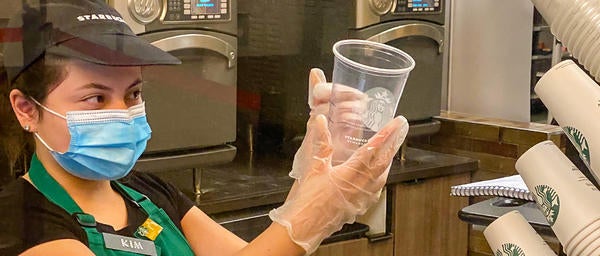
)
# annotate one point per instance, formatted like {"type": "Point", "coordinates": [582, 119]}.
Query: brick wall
{"type": "Point", "coordinates": [497, 144]}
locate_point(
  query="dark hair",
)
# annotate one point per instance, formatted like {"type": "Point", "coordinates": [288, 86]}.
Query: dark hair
{"type": "Point", "coordinates": [36, 82]}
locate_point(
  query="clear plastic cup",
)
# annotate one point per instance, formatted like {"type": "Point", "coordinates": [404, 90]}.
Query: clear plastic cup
{"type": "Point", "coordinates": [368, 80]}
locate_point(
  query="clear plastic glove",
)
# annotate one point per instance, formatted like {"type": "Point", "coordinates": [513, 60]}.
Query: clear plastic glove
{"type": "Point", "coordinates": [319, 95]}
{"type": "Point", "coordinates": [323, 197]}
{"type": "Point", "coordinates": [350, 102]}
{"type": "Point", "coordinates": [319, 92]}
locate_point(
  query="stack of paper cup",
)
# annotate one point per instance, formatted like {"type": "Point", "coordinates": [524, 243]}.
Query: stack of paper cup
{"type": "Point", "coordinates": [575, 23]}
{"type": "Point", "coordinates": [573, 98]}
{"type": "Point", "coordinates": [566, 197]}
{"type": "Point", "coordinates": [512, 235]}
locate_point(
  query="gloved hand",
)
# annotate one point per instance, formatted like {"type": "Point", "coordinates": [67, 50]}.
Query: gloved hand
{"type": "Point", "coordinates": [323, 197]}
{"type": "Point", "coordinates": [349, 103]}
{"type": "Point", "coordinates": [319, 92]}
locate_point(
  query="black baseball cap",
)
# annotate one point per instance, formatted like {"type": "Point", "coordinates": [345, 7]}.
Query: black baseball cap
{"type": "Point", "coordinates": [89, 30]}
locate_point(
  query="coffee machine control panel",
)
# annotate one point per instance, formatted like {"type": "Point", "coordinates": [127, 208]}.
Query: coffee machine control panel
{"type": "Point", "coordinates": [417, 6]}
{"type": "Point", "coordinates": [175, 11]}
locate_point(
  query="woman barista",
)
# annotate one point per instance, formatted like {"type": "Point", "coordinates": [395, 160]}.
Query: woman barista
{"type": "Point", "coordinates": [74, 83]}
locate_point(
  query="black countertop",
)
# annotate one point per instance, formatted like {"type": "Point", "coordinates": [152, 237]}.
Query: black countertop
{"type": "Point", "coordinates": [485, 212]}
{"type": "Point", "coordinates": [264, 181]}
{"type": "Point", "coordinates": [239, 195]}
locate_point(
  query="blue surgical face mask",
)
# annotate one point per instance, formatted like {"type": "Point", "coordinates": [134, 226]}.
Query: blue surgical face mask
{"type": "Point", "coordinates": [105, 144]}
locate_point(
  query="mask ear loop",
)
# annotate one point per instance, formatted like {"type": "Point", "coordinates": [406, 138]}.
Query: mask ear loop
{"type": "Point", "coordinates": [44, 143]}
{"type": "Point", "coordinates": [47, 109]}
{"type": "Point", "coordinates": [37, 135]}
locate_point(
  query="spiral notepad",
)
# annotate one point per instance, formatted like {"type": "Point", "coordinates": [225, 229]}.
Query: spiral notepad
{"type": "Point", "coordinates": [511, 186]}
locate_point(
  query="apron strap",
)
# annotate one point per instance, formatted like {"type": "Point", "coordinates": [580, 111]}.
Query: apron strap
{"type": "Point", "coordinates": [95, 239]}
{"type": "Point", "coordinates": [56, 194]}
{"type": "Point", "coordinates": [137, 198]}
{"type": "Point", "coordinates": [48, 186]}
{"type": "Point", "coordinates": [176, 237]}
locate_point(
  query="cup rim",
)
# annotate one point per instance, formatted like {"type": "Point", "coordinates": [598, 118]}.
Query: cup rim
{"type": "Point", "coordinates": [589, 229]}
{"type": "Point", "coordinates": [387, 71]}
{"type": "Point", "coordinates": [586, 247]}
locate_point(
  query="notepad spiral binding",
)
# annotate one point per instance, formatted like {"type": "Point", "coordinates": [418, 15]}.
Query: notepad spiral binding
{"type": "Point", "coordinates": [493, 191]}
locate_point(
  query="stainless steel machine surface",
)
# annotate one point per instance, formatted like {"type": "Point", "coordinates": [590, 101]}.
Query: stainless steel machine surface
{"type": "Point", "coordinates": [418, 28]}
{"type": "Point", "coordinates": [279, 41]}
{"type": "Point", "coordinates": [191, 107]}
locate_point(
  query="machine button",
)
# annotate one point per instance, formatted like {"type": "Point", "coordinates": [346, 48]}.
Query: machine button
{"type": "Point", "coordinates": [223, 11]}
{"type": "Point", "coordinates": [420, 9]}
{"type": "Point", "coordinates": [187, 1]}
{"type": "Point", "coordinates": [217, 16]}
{"type": "Point", "coordinates": [187, 12]}
{"type": "Point", "coordinates": [210, 16]}
{"type": "Point", "coordinates": [223, 5]}
{"type": "Point", "coordinates": [194, 17]}
{"type": "Point", "coordinates": [409, 5]}
{"type": "Point", "coordinates": [436, 4]}
{"type": "Point", "coordinates": [201, 17]}
{"type": "Point", "coordinates": [187, 6]}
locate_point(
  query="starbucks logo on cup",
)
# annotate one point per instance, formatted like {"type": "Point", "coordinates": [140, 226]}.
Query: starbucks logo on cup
{"type": "Point", "coordinates": [548, 200]}
{"type": "Point", "coordinates": [509, 249]}
{"type": "Point", "coordinates": [579, 141]}
{"type": "Point", "coordinates": [380, 108]}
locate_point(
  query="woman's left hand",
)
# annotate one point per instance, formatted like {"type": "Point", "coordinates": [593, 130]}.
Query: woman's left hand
{"type": "Point", "coordinates": [325, 197]}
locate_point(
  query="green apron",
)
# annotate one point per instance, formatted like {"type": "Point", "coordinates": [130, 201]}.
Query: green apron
{"type": "Point", "coordinates": [170, 241]}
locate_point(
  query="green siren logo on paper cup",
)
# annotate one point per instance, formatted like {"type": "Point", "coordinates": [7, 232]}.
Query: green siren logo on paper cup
{"type": "Point", "coordinates": [380, 108]}
{"type": "Point", "coordinates": [510, 250]}
{"type": "Point", "coordinates": [579, 141]}
{"type": "Point", "coordinates": [549, 202]}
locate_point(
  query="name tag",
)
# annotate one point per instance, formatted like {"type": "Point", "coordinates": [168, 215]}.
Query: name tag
{"type": "Point", "coordinates": [129, 244]}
